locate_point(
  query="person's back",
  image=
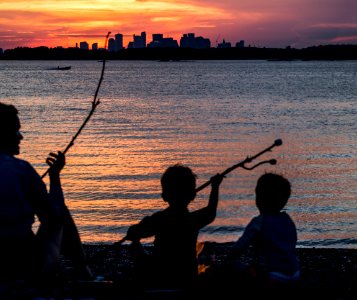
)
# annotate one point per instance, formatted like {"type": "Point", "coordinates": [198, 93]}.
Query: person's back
{"type": "Point", "coordinates": [272, 234]}
{"type": "Point", "coordinates": [277, 246]}
{"type": "Point", "coordinates": [174, 253]}
{"type": "Point", "coordinates": [176, 229]}
{"type": "Point", "coordinates": [19, 184]}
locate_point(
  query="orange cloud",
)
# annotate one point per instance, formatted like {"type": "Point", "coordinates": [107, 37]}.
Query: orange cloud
{"type": "Point", "coordinates": [272, 23]}
{"type": "Point", "coordinates": [90, 18]}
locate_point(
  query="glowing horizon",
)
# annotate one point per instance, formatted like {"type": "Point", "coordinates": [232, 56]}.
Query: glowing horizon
{"type": "Point", "coordinates": [275, 24]}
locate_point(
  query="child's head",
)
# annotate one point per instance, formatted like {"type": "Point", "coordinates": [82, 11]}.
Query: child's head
{"type": "Point", "coordinates": [178, 185]}
{"type": "Point", "coordinates": [272, 193]}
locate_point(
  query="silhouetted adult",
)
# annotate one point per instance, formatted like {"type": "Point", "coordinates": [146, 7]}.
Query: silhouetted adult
{"type": "Point", "coordinates": [174, 262]}
{"type": "Point", "coordinates": [24, 254]}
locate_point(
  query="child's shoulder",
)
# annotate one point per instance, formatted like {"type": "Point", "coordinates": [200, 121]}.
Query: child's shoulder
{"type": "Point", "coordinates": [280, 217]}
{"type": "Point", "coordinates": [159, 215]}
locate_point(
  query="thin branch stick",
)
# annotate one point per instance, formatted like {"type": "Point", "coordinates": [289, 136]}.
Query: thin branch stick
{"type": "Point", "coordinates": [271, 162]}
{"type": "Point", "coordinates": [95, 103]}
{"type": "Point", "coordinates": [245, 161]}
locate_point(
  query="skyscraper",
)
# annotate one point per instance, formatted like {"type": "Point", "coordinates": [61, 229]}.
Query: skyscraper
{"type": "Point", "coordinates": [118, 42]}
{"type": "Point", "coordinates": [139, 41]}
{"type": "Point", "coordinates": [83, 45]}
{"type": "Point", "coordinates": [190, 41]}
{"type": "Point", "coordinates": [111, 45]}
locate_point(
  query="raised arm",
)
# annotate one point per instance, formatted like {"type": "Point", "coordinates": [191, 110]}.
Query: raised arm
{"type": "Point", "coordinates": [56, 162]}
{"type": "Point", "coordinates": [216, 180]}
{"type": "Point", "coordinates": [207, 214]}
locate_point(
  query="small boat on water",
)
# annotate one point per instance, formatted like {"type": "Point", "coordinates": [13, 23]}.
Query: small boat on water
{"type": "Point", "coordinates": [62, 68]}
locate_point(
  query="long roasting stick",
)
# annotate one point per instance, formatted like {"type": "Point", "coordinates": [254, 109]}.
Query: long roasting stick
{"type": "Point", "coordinates": [95, 103]}
{"type": "Point", "coordinates": [277, 142]}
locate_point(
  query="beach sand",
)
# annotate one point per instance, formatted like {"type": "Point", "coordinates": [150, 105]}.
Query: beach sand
{"type": "Point", "coordinates": [326, 273]}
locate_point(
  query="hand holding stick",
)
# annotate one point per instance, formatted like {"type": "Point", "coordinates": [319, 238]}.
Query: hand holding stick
{"type": "Point", "coordinates": [95, 103]}
{"type": "Point", "coordinates": [277, 142]}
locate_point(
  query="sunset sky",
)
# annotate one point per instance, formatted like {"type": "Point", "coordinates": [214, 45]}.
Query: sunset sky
{"type": "Point", "coordinates": [263, 23]}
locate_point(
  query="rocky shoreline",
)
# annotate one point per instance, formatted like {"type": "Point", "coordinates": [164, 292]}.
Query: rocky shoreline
{"type": "Point", "coordinates": [327, 273]}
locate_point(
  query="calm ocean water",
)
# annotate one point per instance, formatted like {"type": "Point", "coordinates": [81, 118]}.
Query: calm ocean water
{"type": "Point", "coordinates": [208, 115]}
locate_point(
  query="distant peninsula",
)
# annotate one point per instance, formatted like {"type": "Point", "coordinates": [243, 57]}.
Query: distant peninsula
{"type": "Point", "coordinates": [326, 52]}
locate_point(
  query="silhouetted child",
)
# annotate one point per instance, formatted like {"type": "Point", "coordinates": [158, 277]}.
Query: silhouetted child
{"type": "Point", "coordinates": [272, 235]}
{"type": "Point", "coordinates": [24, 254]}
{"type": "Point", "coordinates": [174, 261]}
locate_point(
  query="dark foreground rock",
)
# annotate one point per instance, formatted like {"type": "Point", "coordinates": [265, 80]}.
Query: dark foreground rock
{"type": "Point", "coordinates": [328, 274]}
{"type": "Point", "coordinates": [325, 274]}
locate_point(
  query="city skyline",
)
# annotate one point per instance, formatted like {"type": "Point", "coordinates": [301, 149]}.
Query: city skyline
{"type": "Point", "coordinates": [187, 40]}
{"type": "Point", "coordinates": [275, 23]}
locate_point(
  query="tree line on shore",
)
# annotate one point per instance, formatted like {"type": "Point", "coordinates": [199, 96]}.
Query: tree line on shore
{"type": "Point", "coordinates": [326, 52]}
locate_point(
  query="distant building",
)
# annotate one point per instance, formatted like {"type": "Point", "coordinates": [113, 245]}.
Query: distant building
{"type": "Point", "coordinates": [1, 51]}
{"type": "Point", "coordinates": [240, 44]}
{"type": "Point", "coordinates": [111, 45]}
{"type": "Point", "coordinates": [158, 41]}
{"type": "Point", "coordinates": [190, 41]}
{"type": "Point", "coordinates": [224, 44]}
{"type": "Point", "coordinates": [139, 41]}
{"type": "Point", "coordinates": [157, 37]}
{"type": "Point", "coordinates": [95, 46]}
{"type": "Point", "coordinates": [83, 45]}
{"type": "Point", "coordinates": [118, 42]}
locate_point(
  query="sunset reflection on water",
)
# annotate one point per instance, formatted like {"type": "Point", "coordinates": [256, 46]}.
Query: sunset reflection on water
{"type": "Point", "coordinates": [154, 115]}
{"type": "Point", "coordinates": [118, 186]}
